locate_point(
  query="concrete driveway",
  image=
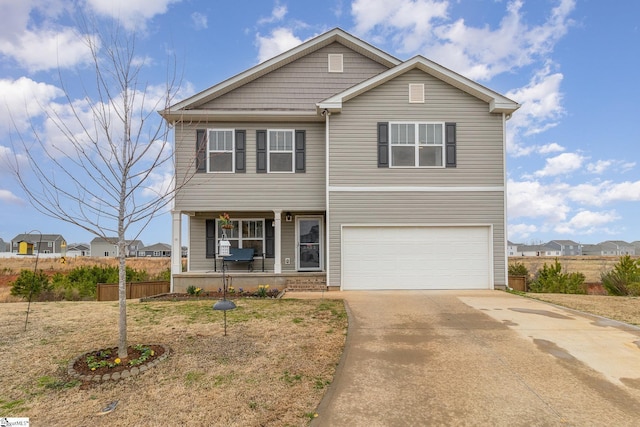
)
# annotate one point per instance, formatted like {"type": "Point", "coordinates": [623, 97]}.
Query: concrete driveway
{"type": "Point", "coordinates": [422, 358]}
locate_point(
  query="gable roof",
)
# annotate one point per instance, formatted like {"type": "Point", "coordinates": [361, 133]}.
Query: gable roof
{"type": "Point", "coordinates": [187, 106]}
{"type": "Point", "coordinates": [34, 238]}
{"type": "Point", "coordinates": [497, 103]}
{"type": "Point", "coordinates": [156, 247]}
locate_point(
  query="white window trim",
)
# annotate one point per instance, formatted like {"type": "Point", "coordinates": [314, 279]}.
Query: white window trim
{"type": "Point", "coordinates": [293, 150]}
{"type": "Point", "coordinates": [417, 145]}
{"type": "Point", "coordinates": [239, 239]}
{"type": "Point", "coordinates": [233, 150]}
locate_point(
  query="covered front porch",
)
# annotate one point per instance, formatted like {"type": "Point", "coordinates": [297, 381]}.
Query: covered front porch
{"type": "Point", "coordinates": [287, 247]}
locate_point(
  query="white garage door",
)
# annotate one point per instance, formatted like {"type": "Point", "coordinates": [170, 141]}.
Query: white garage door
{"type": "Point", "coordinates": [387, 257]}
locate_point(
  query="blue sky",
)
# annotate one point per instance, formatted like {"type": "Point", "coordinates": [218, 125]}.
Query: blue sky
{"type": "Point", "coordinates": [572, 152]}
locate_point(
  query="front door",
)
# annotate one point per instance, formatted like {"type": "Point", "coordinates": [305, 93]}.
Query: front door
{"type": "Point", "coordinates": [309, 237]}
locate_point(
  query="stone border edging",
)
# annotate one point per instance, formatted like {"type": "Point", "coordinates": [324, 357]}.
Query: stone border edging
{"type": "Point", "coordinates": [129, 372]}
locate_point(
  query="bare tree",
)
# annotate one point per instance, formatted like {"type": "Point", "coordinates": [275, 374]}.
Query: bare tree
{"type": "Point", "coordinates": [101, 172]}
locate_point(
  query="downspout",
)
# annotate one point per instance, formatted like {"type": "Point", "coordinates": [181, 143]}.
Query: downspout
{"type": "Point", "coordinates": [505, 117]}
{"type": "Point", "coordinates": [327, 267]}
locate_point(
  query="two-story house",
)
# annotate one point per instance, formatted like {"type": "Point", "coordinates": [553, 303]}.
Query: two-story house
{"type": "Point", "coordinates": [38, 243]}
{"type": "Point", "coordinates": [101, 247]}
{"type": "Point", "coordinates": [566, 247]}
{"type": "Point", "coordinates": [340, 161]}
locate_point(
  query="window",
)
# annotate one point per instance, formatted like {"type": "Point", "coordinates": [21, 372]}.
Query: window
{"type": "Point", "coordinates": [220, 150]}
{"type": "Point", "coordinates": [416, 144]}
{"type": "Point", "coordinates": [246, 233]}
{"type": "Point", "coordinates": [280, 154]}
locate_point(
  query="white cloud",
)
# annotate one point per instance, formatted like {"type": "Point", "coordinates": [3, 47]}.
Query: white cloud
{"type": "Point", "coordinates": [600, 166]}
{"type": "Point", "coordinates": [561, 165]}
{"type": "Point", "coordinates": [521, 231]}
{"type": "Point", "coordinates": [200, 21]}
{"type": "Point", "coordinates": [588, 219]}
{"type": "Point", "coordinates": [477, 52]}
{"type": "Point", "coordinates": [277, 14]}
{"type": "Point", "coordinates": [532, 199]}
{"type": "Point", "coordinates": [280, 40]}
{"type": "Point", "coordinates": [47, 49]}
{"type": "Point", "coordinates": [21, 99]}
{"type": "Point", "coordinates": [541, 109]}
{"type": "Point", "coordinates": [550, 148]}
{"type": "Point", "coordinates": [132, 14]}
{"type": "Point", "coordinates": [7, 196]}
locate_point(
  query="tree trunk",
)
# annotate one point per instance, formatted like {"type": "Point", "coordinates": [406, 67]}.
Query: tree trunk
{"type": "Point", "coordinates": [122, 298]}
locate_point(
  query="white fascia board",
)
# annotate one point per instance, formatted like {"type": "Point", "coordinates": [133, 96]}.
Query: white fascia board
{"type": "Point", "coordinates": [276, 62]}
{"type": "Point", "coordinates": [240, 115]}
{"type": "Point", "coordinates": [497, 103]}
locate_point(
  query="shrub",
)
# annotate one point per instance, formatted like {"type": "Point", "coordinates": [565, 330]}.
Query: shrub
{"type": "Point", "coordinates": [552, 279]}
{"type": "Point", "coordinates": [30, 284]}
{"type": "Point", "coordinates": [624, 279]}
{"type": "Point", "coordinates": [518, 269]}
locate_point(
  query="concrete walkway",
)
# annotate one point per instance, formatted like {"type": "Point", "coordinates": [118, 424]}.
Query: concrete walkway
{"type": "Point", "coordinates": [430, 358]}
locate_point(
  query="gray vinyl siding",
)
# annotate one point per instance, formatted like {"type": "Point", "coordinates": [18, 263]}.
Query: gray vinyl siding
{"type": "Point", "coordinates": [300, 84]}
{"type": "Point", "coordinates": [250, 191]}
{"type": "Point", "coordinates": [354, 136]}
{"type": "Point", "coordinates": [416, 208]}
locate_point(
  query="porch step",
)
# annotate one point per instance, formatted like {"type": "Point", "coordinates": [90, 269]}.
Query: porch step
{"type": "Point", "coordinates": [311, 284]}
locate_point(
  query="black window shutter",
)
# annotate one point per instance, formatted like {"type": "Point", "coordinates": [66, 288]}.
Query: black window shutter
{"type": "Point", "coordinates": [383, 145]}
{"type": "Point", "coordinates": [241, 166]}
{"type": "Point", "coordinates": [261, 151]}
{"type": "Point", "coordinates": [210, 238]}
{"type": "Point", "coordinates": [300, 148]}
{"type": "Point", "coordinates": [450, 138]}
{"type": "Point", "coordinates": [269, 239]}
{"type": "Point", "coordinates": [201, 151]}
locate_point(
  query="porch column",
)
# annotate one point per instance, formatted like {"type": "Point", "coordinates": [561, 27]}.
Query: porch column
{"type": "Point", "coordinates": [176, 244]}
{"type": "Point", "coordinates": [277, 233]}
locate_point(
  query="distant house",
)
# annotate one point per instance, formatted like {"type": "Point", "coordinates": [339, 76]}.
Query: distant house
{"type": "Point", "coordinates": [636, 246]}
{"type": "Point", "coordinates": [157, 250]}
{"type": "Point", "coordinates": [40, 243]}
{"type": "Point", "coordinates": [101, 247]}
{"type": "Point", "coordinates": [537, 250]}
{"type": "Point", "coordinates": [566, 247]}
{"type": "Point", "coordinates": [4, 246]}
{"type": "Point", "coordinates": [617, 247]}
{"type": "Point", "coordinates": [78, 249]}
{"type": "Point", "coordinates": [512, 248]}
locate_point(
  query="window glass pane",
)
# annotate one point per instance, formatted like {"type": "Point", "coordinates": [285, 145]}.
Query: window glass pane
{"type": "Point", "coordinates": [280, 162]}
{"type": "Point", "coordinates": [438, 137]}
{"type": "Point", "coordinates": [430, 156]}
{"type": "Point", "coordinates": [255, 244]}
{"type": "Point", "coordinates": [403, 156]}
{"type": "Point", "coordinates": [231, 233]}
{"type": "Point", "coordinates": [221, 162]}
{"type": "Point", "coordinates": [422, 134]}
{"type": "Point", "coordinates": [403, 134]}
{"type": "Point", "coordinates": [252, 229]}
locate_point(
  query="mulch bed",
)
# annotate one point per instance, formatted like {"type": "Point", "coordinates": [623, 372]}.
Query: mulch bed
{"type": "Point", "coordinates": [79, 367]}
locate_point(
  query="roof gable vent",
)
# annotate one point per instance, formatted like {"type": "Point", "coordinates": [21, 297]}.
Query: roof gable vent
{"type": "Point", "coordinates": [335, 63]}
{"type": "Point", "coordinates": [416, 93]}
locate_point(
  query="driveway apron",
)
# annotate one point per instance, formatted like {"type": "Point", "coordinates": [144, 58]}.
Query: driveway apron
{"type": "Point", "coordinates": [420, 358]}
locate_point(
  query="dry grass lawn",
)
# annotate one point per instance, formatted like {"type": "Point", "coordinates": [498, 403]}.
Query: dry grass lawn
{"type": "Point", "coordinates": [624, 309]}
{"type": "Point", "coordinates": [270, 370]}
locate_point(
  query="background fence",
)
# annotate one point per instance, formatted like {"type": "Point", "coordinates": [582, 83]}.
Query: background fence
{"type": "Point", "coordinates": [109, 291]}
